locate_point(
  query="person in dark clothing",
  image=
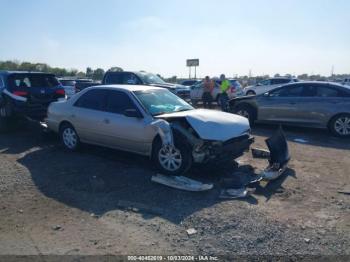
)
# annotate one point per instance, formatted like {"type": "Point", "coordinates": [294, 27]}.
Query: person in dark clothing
{"type": "Point", "coordinates": [208, 87]}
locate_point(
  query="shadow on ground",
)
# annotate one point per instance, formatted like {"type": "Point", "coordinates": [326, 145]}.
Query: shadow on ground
{"type": "Point", "coordinates": [96, 179]}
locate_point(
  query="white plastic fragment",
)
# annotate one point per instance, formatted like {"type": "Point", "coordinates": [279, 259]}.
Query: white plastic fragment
{"type": "Point", "coordinates": [181, 182]}
{"type": "Point", "coordinates": [300, 140]}
{"type": "Point", "coordinates": [233, 193]}
{"type": "Point", "coordinates": [191, 231]}
{"type": "Point", "coordinates": [273, 172]}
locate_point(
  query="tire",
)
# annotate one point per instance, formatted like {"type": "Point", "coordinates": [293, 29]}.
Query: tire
{"type": "Point", "coordinates": [247, 112]}
{"type": "Point", "coordinates": [182, 152]}
{"type": "Point", "coordinates": [69, 137]}
{"type": "Point", "coordinates": [250, 93]}
{"type": "Point", "coordinates": [340, 125]}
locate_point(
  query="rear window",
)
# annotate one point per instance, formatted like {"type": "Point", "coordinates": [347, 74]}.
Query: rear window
{"type": "Point", "coordinates": [32, 80]}
{"type": "Point", "coordinates": [67, 82]}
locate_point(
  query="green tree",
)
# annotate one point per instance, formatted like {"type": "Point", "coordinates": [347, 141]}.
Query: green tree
{"type": "Point", "coordinates": [98, 74]}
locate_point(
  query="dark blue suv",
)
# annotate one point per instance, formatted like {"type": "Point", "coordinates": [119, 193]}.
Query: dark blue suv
{"type": "Point", "coordinates": [27, 94]}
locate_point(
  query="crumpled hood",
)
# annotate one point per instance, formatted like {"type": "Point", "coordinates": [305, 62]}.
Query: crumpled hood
{"type": "Point", "coordinates": [213, 125]}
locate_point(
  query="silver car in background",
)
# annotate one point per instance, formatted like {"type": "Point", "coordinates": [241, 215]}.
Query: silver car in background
{"type": "Point", "coordinates": [150, 121]}
{"type": "Point", "coordinates": [309, 104]}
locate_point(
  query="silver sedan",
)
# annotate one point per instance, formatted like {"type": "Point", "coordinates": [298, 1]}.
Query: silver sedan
{"type": "Point", "coordinates": [150, 121]}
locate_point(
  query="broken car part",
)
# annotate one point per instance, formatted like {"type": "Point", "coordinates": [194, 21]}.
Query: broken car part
{"type": "Point", "coordinates": [233, 193]}
{"type": "Point", "coordinates": [279, 156]}
{"type": "Point", "coordinates": [181, 182]}
{"type": "Point", "coordinates": [260, 153]}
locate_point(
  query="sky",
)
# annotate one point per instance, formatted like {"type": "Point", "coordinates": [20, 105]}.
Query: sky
{"type": "Point", "coordinates": [231, 37]}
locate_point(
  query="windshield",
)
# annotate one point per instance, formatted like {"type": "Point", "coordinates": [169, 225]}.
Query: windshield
{"type": "Point", "coordinates": [151, 78]}
{"type": "Point", "coordinates": [159, 102]}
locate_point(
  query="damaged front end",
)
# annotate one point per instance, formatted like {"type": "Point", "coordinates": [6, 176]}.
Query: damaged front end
{"type": "Point", "coordinates": [203, 150]}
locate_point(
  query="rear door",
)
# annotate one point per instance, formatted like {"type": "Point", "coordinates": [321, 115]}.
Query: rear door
{"type": "Point", "coordinates": [88, 116]}
{"type": "Point", "coordinates": [127, 133]}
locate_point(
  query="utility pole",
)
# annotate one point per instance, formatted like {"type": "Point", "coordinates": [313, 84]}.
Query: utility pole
{"type": "Point", "coordinates": [332, 71]}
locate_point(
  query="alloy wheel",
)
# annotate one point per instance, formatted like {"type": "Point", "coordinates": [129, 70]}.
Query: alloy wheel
{"type": "Point", "coordinates": [70, 138]}
{"type": "Point", "coordinates": [170, 158]}
{"type": "Point", "coordinates": [342, 125]}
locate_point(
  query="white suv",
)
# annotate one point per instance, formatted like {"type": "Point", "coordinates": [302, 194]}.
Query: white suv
{"type": "Point", "coordinates": [267, 85]}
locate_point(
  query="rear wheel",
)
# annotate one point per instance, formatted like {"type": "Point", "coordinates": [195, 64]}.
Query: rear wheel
{"type": "Point", "coordinates": [340, 125]}
{"type": "Point", "coordinates": [69, 137]}
{"type": "Point", "coordinates": [172, 160]}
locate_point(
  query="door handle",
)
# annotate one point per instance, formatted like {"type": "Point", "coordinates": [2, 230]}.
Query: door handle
{"type": "Point", "coordinates": [106, 121]}
{"type": "Point", "coordinates": [292, 103]}
{"type": "Point", "coordinates": [72, 115]}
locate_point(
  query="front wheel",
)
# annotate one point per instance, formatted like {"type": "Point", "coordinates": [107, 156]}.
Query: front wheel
{"type": "Point", "coordinates": [247, 112]}
{"type": "Point", "coordinates": [340, 125]}
{"type": "Point", "coordinates": [172, 160]}
{"type": "Point", "coordinates": [69, 137]}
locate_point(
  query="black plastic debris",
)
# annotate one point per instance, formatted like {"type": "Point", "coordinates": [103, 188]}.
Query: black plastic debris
{"type": "Point", "coordinates": [278, 147]}
{"type": "Point", "coordinates": [260, 153]}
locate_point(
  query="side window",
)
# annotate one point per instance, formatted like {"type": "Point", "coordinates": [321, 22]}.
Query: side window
{"type": "Point", "coordinates": [93, 99]}
{"type": "Point", "coordinates": [114, 78]}
{"type": "Point", "coordinates": [288, 91]}
{"type": "Point", "coordinates": [118, 102]}
{"type": "Point", "coordinates": [1, 82]}
{"type": "Point", "coordinates": [265, 82]}
{"type": "Point", "coordinates": [325, 91]}
{"type": "Point", "coordinates": [130, 79]}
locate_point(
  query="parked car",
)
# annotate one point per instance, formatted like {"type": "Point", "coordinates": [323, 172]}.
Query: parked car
{"type": "Point", "coordinates": [81, 84]}
{"type": "Point", "coordinates": [144, 78]}
{"type": "Point", "coordinates": [309, 104]}
{"type": "Point", "coordinates": [189, 82]}
{"type": "Point", "coordinates": [197, 91]}
{"type": "Point", "coordinates": [27, 94]}
{"type": "Point", "coordinates": [68, 85]}
{"type": "Point", "coordinates": [267, 85]}
{"type": "Point", "coordinates": [139, 118]}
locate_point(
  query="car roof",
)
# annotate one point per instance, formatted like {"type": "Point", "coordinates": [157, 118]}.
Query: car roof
{"type": "Point", "coordinates": [130, 88]}
{"type": "Point", "coordinates": [7, 72]}
{"type": "Point", "coordinates": [316, 82]}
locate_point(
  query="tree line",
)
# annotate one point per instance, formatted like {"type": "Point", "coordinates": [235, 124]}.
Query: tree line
{"type": "Point", "coordinates": [96, 74]}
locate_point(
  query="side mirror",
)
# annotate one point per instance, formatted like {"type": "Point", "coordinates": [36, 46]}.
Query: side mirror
{"type": "Point", "coordinates": [132, 113]}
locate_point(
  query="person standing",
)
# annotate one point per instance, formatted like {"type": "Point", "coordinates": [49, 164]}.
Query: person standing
{"type": "Point", "coordinates": [224, 87]}
{"type": "Point", "coordinates": [208, 87]}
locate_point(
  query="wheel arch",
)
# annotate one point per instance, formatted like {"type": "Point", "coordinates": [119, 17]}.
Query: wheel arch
{"type": "Point", "coordinates": [335, 116]}
{"type": "Point", "coordinates": [245, 104]}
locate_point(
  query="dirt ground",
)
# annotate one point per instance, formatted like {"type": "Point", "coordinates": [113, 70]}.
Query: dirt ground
{"type": "Point", "coordinates": [102, 201]}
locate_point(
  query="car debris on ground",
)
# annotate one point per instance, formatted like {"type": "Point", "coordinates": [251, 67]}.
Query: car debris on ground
{"type": "Point", "coordinates": [235, 186]}
{"type": "Point", "coordinates": [260, 153]}
{"type": "Point", "coordinates": [345, 190]}
{"type": "Point", "coordinates": [181, 182]}
{"type": "Point", "coordinates": [191, 231]}
{"type": "Point", "coordinates": [233, 193]}
{"type": "Point", "coordinates": [300, 140]}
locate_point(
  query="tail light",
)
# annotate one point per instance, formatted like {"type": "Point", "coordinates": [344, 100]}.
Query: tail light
{"type": "Point", "coordinates": [20, 93]}
{"type": "Point", "coordinates": [60, 92]}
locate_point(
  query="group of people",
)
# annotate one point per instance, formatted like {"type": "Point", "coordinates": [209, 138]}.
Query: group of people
{"type": "Point", "coordinates": [208, 87]}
